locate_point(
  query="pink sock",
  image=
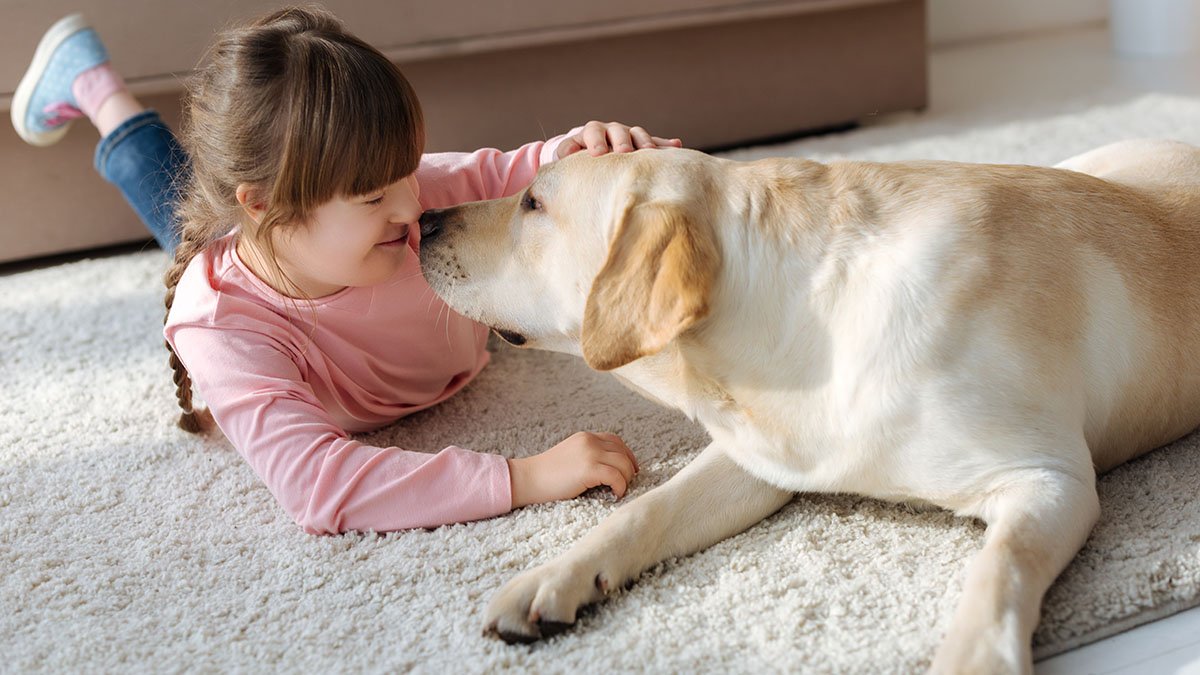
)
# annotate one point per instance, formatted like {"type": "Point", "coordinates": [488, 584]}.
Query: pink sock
{"type": "Point", "coordinates": [93, 87]}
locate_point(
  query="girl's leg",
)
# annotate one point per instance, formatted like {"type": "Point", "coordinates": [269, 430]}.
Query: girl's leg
{"type": "Point", "coordinates": [142, 158]}
{"type": "Point", "coordinates": [70, 77]}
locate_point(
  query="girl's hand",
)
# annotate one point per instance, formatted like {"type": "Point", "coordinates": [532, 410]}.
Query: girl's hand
{"type": "Point", "coordinates": [584, 460]}
{"type": "Point", "coordinates": [599, 138]}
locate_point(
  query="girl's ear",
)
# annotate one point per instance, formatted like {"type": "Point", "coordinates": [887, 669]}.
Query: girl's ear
{"type": "Point", "coordinates": [252, 202]}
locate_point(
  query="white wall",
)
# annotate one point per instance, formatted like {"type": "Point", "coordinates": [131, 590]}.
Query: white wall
{"type": "Point", "coordinates": [953, 21]}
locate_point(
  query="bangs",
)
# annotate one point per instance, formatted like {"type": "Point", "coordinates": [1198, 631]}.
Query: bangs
{"type": "Point", "coordinates": [353, 125]}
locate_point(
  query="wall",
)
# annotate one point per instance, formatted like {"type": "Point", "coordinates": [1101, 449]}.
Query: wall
{"type": "Point", "coordinates": [952, 21]}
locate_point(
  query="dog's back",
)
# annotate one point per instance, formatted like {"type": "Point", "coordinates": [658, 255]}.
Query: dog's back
{"type": "Point", "coordinates": [1119, 255]}
{"type": "Point", "coordinates": [1151, 164]}
{"type": "Point", "coordinates": [1093, 279]}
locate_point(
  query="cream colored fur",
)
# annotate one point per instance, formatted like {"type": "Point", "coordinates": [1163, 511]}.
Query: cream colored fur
{"type": "Point", "coordinates": [979, 337]}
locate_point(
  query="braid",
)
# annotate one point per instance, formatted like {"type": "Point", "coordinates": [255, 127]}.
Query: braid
{"type": "Point", "coordinates": [195, 239]}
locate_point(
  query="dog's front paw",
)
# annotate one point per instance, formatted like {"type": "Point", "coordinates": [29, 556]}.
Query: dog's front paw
{"type": "Point", "coordinates": [540, 602]}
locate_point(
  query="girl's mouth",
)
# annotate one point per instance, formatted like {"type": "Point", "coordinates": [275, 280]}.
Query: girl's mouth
{"type": "Point", "coordinates": [398, 241]}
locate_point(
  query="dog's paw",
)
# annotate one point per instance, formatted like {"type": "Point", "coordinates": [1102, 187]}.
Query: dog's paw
{"type": "Point", "coordinates": [540, 603]}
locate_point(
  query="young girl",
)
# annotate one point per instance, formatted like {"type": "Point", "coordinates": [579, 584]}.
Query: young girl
{"type": "Point", "coordinates": [295, 301]}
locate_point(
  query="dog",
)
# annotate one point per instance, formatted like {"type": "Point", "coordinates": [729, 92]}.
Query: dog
{"type": "Point", "coordinates": [983, 338]}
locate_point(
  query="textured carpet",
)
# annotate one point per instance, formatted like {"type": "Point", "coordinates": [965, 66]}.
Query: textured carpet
{"type": "Point", "coordinates": [126, 544]}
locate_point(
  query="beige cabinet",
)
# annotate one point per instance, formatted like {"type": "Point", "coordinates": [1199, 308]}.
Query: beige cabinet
{"type": "Point", "coordinates": [493, 73]}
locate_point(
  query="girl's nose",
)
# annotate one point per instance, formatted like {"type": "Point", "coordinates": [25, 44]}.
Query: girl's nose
{"type": "Point", "coordinates": [406, 214]}
{"type": "Point", "coordinates": [406, 209]}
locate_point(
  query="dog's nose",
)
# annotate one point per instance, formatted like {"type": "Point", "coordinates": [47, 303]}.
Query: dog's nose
{"type": "Point", "coordinates": [431, 224]}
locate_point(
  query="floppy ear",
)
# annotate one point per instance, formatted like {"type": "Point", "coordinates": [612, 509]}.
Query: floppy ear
{"type": "Point", "coordinates": [655, 284]}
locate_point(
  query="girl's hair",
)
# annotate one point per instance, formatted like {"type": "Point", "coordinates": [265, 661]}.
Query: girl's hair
{"type": "Point", "coordinates": [300, 110]}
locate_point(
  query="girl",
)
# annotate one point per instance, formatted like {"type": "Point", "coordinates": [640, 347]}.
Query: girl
{"type": "Point", "coordinates": [295, 301]}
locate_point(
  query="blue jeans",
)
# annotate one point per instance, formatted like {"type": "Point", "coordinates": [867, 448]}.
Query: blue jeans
{"type": "Point", "coordinates": [143, 159]}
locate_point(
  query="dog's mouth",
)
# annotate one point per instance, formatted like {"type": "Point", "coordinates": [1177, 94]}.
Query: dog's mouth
{"type": "Point", "coordinates": [511, 337]}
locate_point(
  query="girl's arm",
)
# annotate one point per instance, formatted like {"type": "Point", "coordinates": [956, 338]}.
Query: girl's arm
{"type": "Point", "coordinates": [450, 178]}
{"type": "Point", "coordinates": [325, 480]}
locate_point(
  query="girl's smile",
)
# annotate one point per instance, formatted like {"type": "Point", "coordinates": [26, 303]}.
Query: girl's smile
{"type": "Point", "coordinates": [401, 238]}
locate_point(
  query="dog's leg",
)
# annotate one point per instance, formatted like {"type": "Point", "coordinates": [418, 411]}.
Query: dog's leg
{"type": "Point", "coordinates": [710, 499]}
{"type": "Point", "coordinates": [1037, 521]}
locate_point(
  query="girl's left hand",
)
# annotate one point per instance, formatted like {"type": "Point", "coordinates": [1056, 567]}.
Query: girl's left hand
{"type": "Point", "coordinates": [599, 138]}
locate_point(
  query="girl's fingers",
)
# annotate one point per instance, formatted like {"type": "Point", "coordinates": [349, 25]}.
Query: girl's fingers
{"type": "Point", "coordinates": [620, 461]}
{"type": "Point", "coordinates": [641, 137]}
{"type": "Point", "coordinates": [620, 446]}
{"type": "Point", "coordinates": [613, 478]}
{"type": "Point", "coordinates": [610, 437]}
{"type": "Point", "coordinates": [619, 138]}
{"type": "Point", "coordinates": [595, 138]}
{"type": "Point", "coordinates": [570, 145]}
{"type": "Point", "coordinates": [599, 138]}
{"type": "Point", "coordinates": [632, 459]}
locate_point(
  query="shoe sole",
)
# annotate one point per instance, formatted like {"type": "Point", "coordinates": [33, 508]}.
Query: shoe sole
{"type": "Point", "coordinates": [55, 36]}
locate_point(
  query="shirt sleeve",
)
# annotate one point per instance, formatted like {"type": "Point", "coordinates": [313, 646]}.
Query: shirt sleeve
{"type": "Point", "coordinates": [325, 480]}
{"type": "Point", "coordinates": [450, 178]}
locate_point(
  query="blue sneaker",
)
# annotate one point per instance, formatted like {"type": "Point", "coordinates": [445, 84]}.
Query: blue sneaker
{"type": "Point", "coordinates": [43, 106]}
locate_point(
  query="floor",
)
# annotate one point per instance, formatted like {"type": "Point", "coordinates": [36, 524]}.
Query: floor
{"type": "Point", "coordinates": [1170, 645]}
{"type": "Point", "coordinates": [1034, 76]}
{"type": "Point", "coordinates": [1006, 79]}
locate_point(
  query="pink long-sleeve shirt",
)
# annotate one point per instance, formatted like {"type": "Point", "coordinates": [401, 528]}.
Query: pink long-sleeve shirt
{"type": "Point", "coordinates": [288, 383]}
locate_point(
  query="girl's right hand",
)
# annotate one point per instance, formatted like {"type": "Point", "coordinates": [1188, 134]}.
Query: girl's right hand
{"type": "Point", "coordinates": [584, 460]}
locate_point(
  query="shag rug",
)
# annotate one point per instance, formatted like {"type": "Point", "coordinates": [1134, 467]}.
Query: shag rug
{"type": "Point", "coordinates": [128, 545]}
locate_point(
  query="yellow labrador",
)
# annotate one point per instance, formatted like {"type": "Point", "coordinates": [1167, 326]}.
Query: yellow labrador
{"type": "Point", "coordinates": [979, 337]}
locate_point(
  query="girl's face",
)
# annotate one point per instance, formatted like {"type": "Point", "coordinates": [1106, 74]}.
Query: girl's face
{"type": "Point", "coordinates": [351, 241]}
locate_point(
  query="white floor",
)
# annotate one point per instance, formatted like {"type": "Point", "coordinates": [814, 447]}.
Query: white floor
{"type": "Point", "coordinates": [1015, 78]}
{"type": "Point", "coordinates": [1035, 76]}
{"type": "Point", "coordinates": [1170, 645]}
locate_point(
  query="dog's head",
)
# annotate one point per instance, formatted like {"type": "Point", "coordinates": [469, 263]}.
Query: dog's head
{"type": "Point", "coordinates": [607, 257]}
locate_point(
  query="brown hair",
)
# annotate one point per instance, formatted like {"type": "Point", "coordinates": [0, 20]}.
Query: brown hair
{"type": "Point", "coordinates": [295, 106]}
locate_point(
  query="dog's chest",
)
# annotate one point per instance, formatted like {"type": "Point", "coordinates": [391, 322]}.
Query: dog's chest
{"type": "Point", "coordinates": [839, 437]}
{"type": "Point", "coordinates": [814, 442]}
{"type": "Point", "coordinates": [854, 426]}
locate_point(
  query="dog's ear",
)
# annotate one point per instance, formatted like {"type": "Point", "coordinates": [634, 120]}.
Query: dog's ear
{"type": "Point", "coordinates": [654, 285]}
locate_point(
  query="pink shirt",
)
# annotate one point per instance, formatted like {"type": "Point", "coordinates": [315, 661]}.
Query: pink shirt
{"type": "Point", "coordinates": [287, 383]}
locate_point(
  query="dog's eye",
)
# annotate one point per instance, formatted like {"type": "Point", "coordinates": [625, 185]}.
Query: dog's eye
{"type": "Point", "coordinates": [531, 204]}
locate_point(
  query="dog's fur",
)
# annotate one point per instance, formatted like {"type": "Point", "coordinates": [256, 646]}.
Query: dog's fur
{"type": "Point", "coordinates": [979, 337]}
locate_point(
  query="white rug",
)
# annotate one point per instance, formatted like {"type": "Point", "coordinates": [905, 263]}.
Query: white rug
{"type": "Point", "coordinates": [127, 545]}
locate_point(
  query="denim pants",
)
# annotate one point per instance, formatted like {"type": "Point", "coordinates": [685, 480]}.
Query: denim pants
{"type": "Point", "coordinates": [145, 161]}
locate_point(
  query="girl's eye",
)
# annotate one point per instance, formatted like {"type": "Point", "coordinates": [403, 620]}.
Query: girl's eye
{"type": "Point", "coordinates": [377, 200]}
{"type": "Point", "coordinates": [531, 204]}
